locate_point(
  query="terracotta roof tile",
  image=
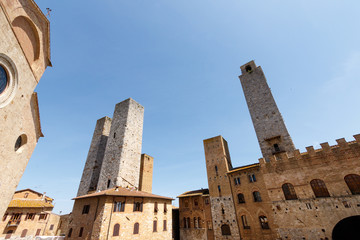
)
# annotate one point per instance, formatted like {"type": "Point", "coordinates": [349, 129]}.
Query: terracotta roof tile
{"type": "Point", "coordinates": [17, 203]}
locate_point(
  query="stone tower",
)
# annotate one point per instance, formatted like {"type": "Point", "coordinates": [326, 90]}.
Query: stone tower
{"type": "Point", "coordinates": [121, 164]}
{"type": "Point", "coordinates": [218, 163]}
{"type": "Point", "coordinates": [24, 56]}
{"type": "Point", "coordinates": [91, 173]}
{"type": "Point", "coordinates": [146, 173]}
{"type": "Point", "coordinates": [269, 125]}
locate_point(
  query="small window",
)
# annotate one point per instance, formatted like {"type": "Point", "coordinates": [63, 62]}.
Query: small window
{"type": "Point", "coordinates": [70, 232]}
{"type": "Point", "coordinates": [216, 171]}
{"type": "Point", "coordinates": [185, 223]}
{"type": "Point", "coordinates": [20, 141]}
{"type": "Point", "coordinates": [206, 201]}
{"type": "Point", "coordinates": [353, 182]}
{"type": "Point", "coordinates": [237, 181]}
{"type": "Point", "coordinates": [319, 188]}
{"type": "Point", "coordinates": [119, 206]}
{"type": "Point", "coordinates": [188, 223]}
{"type": "Point", "coordinates": [219, 189]}
{"type": "Point", "coordinates": [8, 234]}
{"type": "Point", "coordinates": [42, 216]}
{"type": "Point", "coordinates": [108, 183]}
{"type": "Point", "coordinates": [264, 222]}
{"type": "Point", "coordinates": [223, 211]}
{"type": "Point", "coordinates": [257, 197]}
{"type": "Point", "coordinates": [155, 226]}
{"type": "Point", "coordinates": [225, 230]}
{"type": "Point", "coordinates": [81, 232]}
{"type": "Point", "coordinates": [116, 230]}
{"type": "Point", "coordinates": [51, 227]}
{"type": "Point", "coordinates": [5, 216]}
{"type": "Point", "coordinates": [199, 222]}
{"type": "Point", "coordinates": [23, 233]}
{"type": "Point", "coordinates": [30, 216]}
{"type": "Point", "coordinates": [196, 225]}
{"type": "Point", "coordinates": [165, 226]}
{"type": "Point", "coordinates": [196, 202]}
{"type": "Point", "coordinates": [186, 203]}
{"type": "Point", "coordinates": [156, 207]}
{"type": "Point", "coordinates": [4, 79]}
{"type": "Point", "coordinates": [26, 195]}
{"type": "Point", "coordinates": [252, 178]}
{"type": "Point", "coordinates": [38, 231]}
{"type": "Point", "coordinates": [245, 222]}
{"type": "Point", "coordinates": [138, 206]}
{"type": "Point", "coordinates": [276, 148]}
{"type": "Point", "coordinates": [289, 191]}
{"type": "Point", "coordinates": [136, 228]}
{"type": "Point", "coordinates": [241, 198]}
{"type": "Point", "coordinates": [86, 209]}
{"type": "Point", "coordinates": [248, 69]}
{"type": "Point", "coordinates": [165, 208]}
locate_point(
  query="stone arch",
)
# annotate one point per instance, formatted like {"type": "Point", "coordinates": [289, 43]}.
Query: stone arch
{"type": "Point", "coordinates": [347, 228]}
{"type": "Point", "coordinates": [28, 37]}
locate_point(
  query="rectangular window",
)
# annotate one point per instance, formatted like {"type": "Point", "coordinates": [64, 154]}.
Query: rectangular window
{"type": "Point", "coordinates": [206, 201]}
{"type": "Point", "coordinates": [237, 181]}
{"type": "Point", "coordinates": [308, 205]}
{"type": "Point", "coordinates": [244, 222]}
{"type": "Point", "coordinates": [165, 227]}
{"type": "Point", "coordinates": [42, 216]}
{"type": "Point", "coordinates": [196, 202]}
{"type": "Point", "coordinates": [37, 232]}
{"type": "Point", "coordinates": [119, 206]}
{"type": "Point", "coordinates": [51, 227]}
{"type": "Point", "coordinates": [86, 209]}
{"type": "Point", "coordinates": [156, 207]}
{"type": "Point", "coordinates": [81, 232]}
{"type": "Point", "coordinates": [138, 206]}
{"type": "Point", "coordinates": [155, 226]}
{"type": "Point", "coordinates": [252, 178]}
{"type": "Point", "coordinates": [165, 208]}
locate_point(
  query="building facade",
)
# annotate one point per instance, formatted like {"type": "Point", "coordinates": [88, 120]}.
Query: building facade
{"type": "Point", "coordinates": [195, 215]}
{"type": "Point", "coordinates": [121, 213]}
{"type": "Point", "coordinates": [29, 214]}
{"type": "Point", "coordinates": [24, 56]}
{"type": "Point", "coordinates": [286, 194]}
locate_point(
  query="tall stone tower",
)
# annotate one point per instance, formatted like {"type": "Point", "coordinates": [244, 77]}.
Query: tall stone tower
{"type": "Point", "coordinates": [24, 56]}
{"type": "Point", "coordinates": [121, 164]}
{"type": "Point", "coordinates": [91, 173]}
{"type": "Point", "coordinates": [269, 125]}
{"type": "Point", "coordinates": [218, 163]}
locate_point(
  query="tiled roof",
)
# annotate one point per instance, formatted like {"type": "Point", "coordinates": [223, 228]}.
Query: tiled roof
{"type": "Point", "coordinates": [195, 193]}
{"type": "Point", "coordinates": [31, 203]}
{"type": "Point", "coordinates": [120, 191]}
{"type": "Point", "coordinates": [244, 167]}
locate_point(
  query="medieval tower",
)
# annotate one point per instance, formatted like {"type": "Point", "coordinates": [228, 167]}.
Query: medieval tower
{"type": "Point", "coordinates": [269, 125]}
{"type": "Point", "coordinates": [24, 56]}
{"type": "Point", "coordinates": [115, 158]}
{"type": "Point", "coordinates": [218, 163]}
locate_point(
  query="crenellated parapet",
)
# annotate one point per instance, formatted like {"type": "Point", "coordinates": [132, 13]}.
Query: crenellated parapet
{"type": "Point", "coordinates": [341, 151]}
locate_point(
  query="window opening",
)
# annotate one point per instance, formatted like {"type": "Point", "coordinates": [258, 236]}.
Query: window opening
{"type": "Point", "coordinates": [289, 191]}
{"type": "Point", "coordinates": [244, 222]}
{"type": "Point", "coordinates": [353, 182]}
{"type": "Point", "coordinates": [4, 79]}
{"type": "Point", "coordinates": [86, 209]}
{"type": "Point", "coordinates": [257, 197]}
{"type": "Point", "coordinates": [319, 188]}
{"type": "Point", "coordinates": [165, 226]}
{"type": "Point", "coordinates": [252, 178]}
{"type": "Point", "coordinates": [119, 206]}
{"type": "Point", "coordinates": [116, 230]}
{"type": "Point", "coordinates": [241, 198]}
{"type": "Point", "coordinates": [264, 222]}
{"type": "Point", "coordinates": [155, 226]}
{"type": "Point", "coordinates": [225, 230]}
{"type": "Point", "coordinates": [81, 232]}
{"type": "Point", "coordinates": [136, 228]}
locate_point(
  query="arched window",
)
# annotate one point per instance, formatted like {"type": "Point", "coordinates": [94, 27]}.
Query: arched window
{"type": "Point", "coordinates": [196, 223]}
{"type": "Point", "coordinates": [289, 191]}
{"type": "Point", "coordinates": [188, 223]}
{"type": "Point", "coordinates": [264, 222]}
{"type": "Point", "coordinates": [199, 222]}
{"type": "Point", "coordinates": [319, 188]}
{"type": "Point", "coordinates": [245, 222]}
{"type": "Point", "coordinates": [136, 228]}
{"type": "Point", "coordinates": [155, 226]}
{"type": "Point", "coordinates": [257, 197]}
{"type": "Point", "coordinates": [23, 233]}
{"type": "Point", "coordinates": [241, 198]}
{"type": "Point", "coordinates": [353, 182]}
{"type": "Point", "coordinates": [116, 230]}
{"type": "Point", "coordinates": [185, 223]}
{"type": "Point", "coordinates": [70, 232]}
{"type": "Point", "coordinates": [225, 230]}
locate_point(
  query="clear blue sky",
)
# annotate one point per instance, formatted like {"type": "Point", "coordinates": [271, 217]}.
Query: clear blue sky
{"type": "Point", "coordinates": [180, 59]}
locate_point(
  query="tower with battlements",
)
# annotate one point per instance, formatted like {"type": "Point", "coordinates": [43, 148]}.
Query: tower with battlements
{"type": "Point", "coordinates": [269, 125]}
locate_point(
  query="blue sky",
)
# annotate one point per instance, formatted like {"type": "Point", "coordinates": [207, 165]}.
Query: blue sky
{"type": "Point", "coordinates": [180, 60]}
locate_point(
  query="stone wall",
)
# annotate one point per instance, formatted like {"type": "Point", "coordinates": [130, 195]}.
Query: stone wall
{"type": "Point", "coordinates": [267, 120]}
{"type": "Point", "coordinates": [146, 173]}
{"type": "Point", "coordinates": [91, 173]}
{"type": "Point", "coordinates": [121, 165]}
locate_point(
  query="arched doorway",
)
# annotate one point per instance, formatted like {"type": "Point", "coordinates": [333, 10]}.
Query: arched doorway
{"type": "Point", "coordinates": [347, 229]}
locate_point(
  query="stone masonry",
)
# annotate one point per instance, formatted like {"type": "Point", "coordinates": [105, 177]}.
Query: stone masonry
{"type": "Point", "coordinates": [121, 164]}
{"type": "Point", "coordinates": [269, 125]}
{"type": "Point", "coordinates": [91, 173]}
{"type": "Point", "coordinates": [146, 173]}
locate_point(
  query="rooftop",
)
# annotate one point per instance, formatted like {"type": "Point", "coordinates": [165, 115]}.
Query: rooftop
{"type": "Point", "coordinates": [199, 192]}
{"type": "Point", "coordinates": [120, 191]}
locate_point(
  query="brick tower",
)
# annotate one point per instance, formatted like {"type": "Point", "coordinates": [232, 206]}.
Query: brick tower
{"type": "Point", "coordinates": [121, 164]}
{"type": "Point", "coordinates": [91, 173]}
{"type": "Point", "coordinates": [218, 163]}
{"type": "Point", "coordinates": [269, 125]}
